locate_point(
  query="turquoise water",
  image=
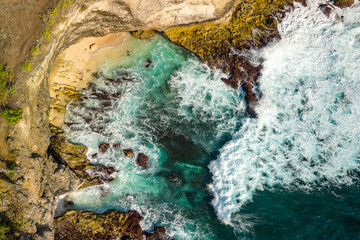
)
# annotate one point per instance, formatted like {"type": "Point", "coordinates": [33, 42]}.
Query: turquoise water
{"type": "Point", "coordinates": [179, 113]}
{"type": "Point", "coordinates": [215, 173]}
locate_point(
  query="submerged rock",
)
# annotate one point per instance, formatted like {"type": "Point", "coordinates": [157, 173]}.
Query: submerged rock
{"type": "Point", "coordinates": [128, 152]}
{"type": "Point", "coordinates": [148, 63]}
{"type": "Point", "coordinates": [142, 160]}
{"type": "Point", "coordinates": [104, 147]}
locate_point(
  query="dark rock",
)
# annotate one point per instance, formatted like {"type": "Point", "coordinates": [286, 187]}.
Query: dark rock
{"type": "Point", "coordinates": [142, 160]}
{"type": "Point", "coordinates": [94, 155]}
{"type": "Point", "coordinates": [128, 152]}
{"type": "Point", "coordinates": [326, 8]}
{"type": "Point", "coordinates": [174, 178]}
{"type": "Point", "coordinates": [116, 145]}
{"type": "Point", "coordinates": [158, 234]}
{"type": "Point", "coordinates": [104, 147]}
{"type": "Point", "coordinates": [148, 63]}
{"type": "Point", "coordinates": [190, 196]}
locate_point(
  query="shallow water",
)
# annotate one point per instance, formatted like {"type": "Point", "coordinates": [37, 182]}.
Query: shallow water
{"type": "Point", "coordinates": [292, 173]}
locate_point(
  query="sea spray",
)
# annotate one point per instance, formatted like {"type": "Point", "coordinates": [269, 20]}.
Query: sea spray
{"type": "Point", "coordinates": [307, 133]}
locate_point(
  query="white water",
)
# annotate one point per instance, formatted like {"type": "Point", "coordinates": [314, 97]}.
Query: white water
{"type": "Point", "coordinates": [308, 129]}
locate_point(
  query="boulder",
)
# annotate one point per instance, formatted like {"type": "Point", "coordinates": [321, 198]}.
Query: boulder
{"type": "Point", "coordinates": [104, 147]}
{"type": "Point", "coordinates": [128, 152]}
{"type": "Point", "coordinates": [142, 160]}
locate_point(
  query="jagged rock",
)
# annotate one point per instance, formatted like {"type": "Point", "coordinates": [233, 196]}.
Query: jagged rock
{"type": "Point", "coordinates": [116, 145]}
{"type": "Point", "coordinates": [88, 225]}
{"type": "Point", "coordinates": [128, 152]}
{"type": "Point", "coordinates": [158, 234]}
{"type": "Point", "coordinates": [148, 63]}
{"type": "Point", "coordinates": [104, 147]}
{"type": "Point", "coordinates": [142, 160]}
{"type": "Point", "coordinates": [326, 8]}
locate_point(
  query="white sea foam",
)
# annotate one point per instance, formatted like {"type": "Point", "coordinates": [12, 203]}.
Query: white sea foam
{"type": "Point", "coordinates": [307, 132]}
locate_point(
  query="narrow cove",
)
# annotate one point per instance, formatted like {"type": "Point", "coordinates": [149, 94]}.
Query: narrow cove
{"type": "Point", "coordinates": [178, 112]}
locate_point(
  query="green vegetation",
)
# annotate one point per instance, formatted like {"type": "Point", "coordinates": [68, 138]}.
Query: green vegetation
{"type": "Point", "coordinates": [4, 78]}
{"type": "Point", "coordinates": [13, 153]}
{"type": "Point", "coordinates": [50, 17]}
{"type": "Point", "coordinates": [34, 51]}
{"type": "Point", "coordinates": [252, 21]}
{"type": "Point", "coordinates": [5, 232]}
{"type": "Point", "coordinates": [26, 66]}
{"type": "Point", "coordinates": [11, 165]}
{"type": "Point", "coordinates": [11, 89]}
{"type": "Point", "coordinates": [46, 33]}
{"type": "Point", "coordinates": [12, 115]}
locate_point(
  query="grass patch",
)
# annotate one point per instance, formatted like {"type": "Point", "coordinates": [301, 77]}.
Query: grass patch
{"type": "Point", "coordinates": [4, 78]}
{"type": "Point", "coordinates": [12, 116]}
{"type": "Point", "coordinates": [11, 90]}
{"type": "Point", "coordinates": [26, 66]}
{"type": "Point", "coordinates": [34, 51]}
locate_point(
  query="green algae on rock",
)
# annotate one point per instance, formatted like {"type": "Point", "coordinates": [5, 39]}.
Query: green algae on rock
{"type": "Point", "coordinates": [109, 225]}
{"type": "Point", "coordinates": [252, 21]}
{"type": "Point", "coordinates": [75, 156]}
{"type": "Point", "coordinates": [88, 225]}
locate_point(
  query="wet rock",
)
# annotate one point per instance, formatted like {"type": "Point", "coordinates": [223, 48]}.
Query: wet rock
{"type": "Point", "coordinates": [128, 152]}
{"type": "Point", "coordinates": [101, 173]}
{"type": "Point", "coordinates": [104, 147]}
{"type": "Point", "coordinates": [326, 8]}
{"type": "Point", "coordinates": [94, 155]}
{"type": "Point", "coordinates": [174, 178]}
{"type": "Point", "coordinates": [116, 145]}
{"type": "Point", "coordinates": [142, 160]}
{"type": "Point", "coordinates": [148, 63]}
{"type": "Point", "coordinates": [158, 234]}
{"type": "Point", "coordinates": [190, 196]}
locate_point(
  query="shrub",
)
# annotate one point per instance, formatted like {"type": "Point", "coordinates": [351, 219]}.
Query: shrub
{"type": "Point", "coordinates": [12, 115]}
{"type": "Point", "coordinates": [4, 78]}
{"type": "Point", "coordinates": [26, 66]}
{"type": "Point", "coordinates": [11, 90]}
{"type": "Point", "coordinates": [34, 50]}
{"type": "Point", "coordinates": [5, 232]}
{"type": "Point", "coordinates": [46, 33]}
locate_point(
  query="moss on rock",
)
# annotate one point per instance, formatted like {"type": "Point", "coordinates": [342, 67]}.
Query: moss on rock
{"type": "Point", "coordinates": [144, 34]}
{"type": "Point", "coordinates": [251, 21]}
{"type": "Point", "coordinates": [88, 225]}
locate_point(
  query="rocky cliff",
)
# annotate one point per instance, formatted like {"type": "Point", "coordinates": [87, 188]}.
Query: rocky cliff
{"type": "Point", "coordinates": [34, 33]}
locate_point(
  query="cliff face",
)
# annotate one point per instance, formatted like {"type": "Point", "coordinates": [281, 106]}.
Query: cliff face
{"type": "Point", "coordinates": [29, 44]}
